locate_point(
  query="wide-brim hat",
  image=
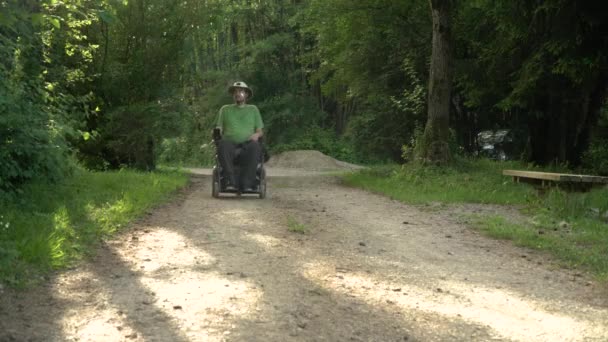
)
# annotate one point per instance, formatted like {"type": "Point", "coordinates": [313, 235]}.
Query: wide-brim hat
{"type": "Point", "coordinates": [240, 85]}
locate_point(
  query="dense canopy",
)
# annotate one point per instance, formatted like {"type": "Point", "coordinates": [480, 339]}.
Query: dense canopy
{"type": "Point", "coordinates": [115, 83]}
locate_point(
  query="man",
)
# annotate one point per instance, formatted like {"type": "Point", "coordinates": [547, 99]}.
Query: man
{"type": "Point", "coordinates": [241, 126]}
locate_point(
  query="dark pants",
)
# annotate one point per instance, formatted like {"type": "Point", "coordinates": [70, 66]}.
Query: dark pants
{"type": "Point", "coordinates": [248, 158]}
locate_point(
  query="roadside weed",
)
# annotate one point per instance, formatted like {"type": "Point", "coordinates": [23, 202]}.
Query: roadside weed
{"type": "Point", "coordinates": [296, 227]}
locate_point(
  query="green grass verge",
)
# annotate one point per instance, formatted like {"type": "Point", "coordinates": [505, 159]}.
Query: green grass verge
{"type": "Point", "coordinates": [571, 226]}
{"type": "Point", "coordinates": [50, 226]}
{"type": "Point", "coordinates": [580, 244]}
{"type": "Point", "coordinates": [474, 181]}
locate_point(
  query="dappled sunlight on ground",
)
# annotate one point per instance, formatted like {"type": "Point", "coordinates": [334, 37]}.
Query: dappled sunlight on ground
{"type": "Point", "coordinates": [204, 304]}
{"type": "Point", "coordinates": [101, 327]}
{"type": "Point", "coordinates": [506, 314]}
{"type": "Point", "coordinates": [97, 318]}
{"type": "Point", "coordinates": [165, 250]}
{"type": "Point", "coordinates": [189, 290]}
{"type": "Point", "coordinates": [265, 241]}
{"type": "Point", "coordinates": [160, 284]}
{"type": "Point", "coordinates": [236, 217]}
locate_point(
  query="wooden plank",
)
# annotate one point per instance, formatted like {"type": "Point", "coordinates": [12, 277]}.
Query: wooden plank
{"type": "Point", "coordinates": [532, 174]}
{"type": "Point", "coordinates": [557, 177]}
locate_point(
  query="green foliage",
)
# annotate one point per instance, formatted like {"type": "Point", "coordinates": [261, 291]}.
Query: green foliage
{"type": "Point", "coordinates": [408, 150]}
{"type": "Point", "coordinates": [124, 83]}
{"type": "Point", "coordinates": [361, 45]}
{"type": "Point", "coordinates": [369, 70]}
{"type": "Point", "coordinates": [395, 122]}
{"type": "Point", "coordinates": [323, 140]}
{"type": "Point", "coordinates": [533, 65]}
{"type": "Point", "coordinates": [29, 148]}
{"type": "Point", "coordinates": [581, 245]}
{"type": "Point", "coordinates": [295, 123]}
{"type": "Point", "coordinates": [52, 225]}
{"type": "Point", "coordinates": [288, 117]}
{"type": "Point", "coordinates": [186, 152]}
{"type": "Point", "coordinates": [42, 68]}
{"type": "Point", "coordinates": [129, 135]}
{"type": "Point", "coordinates": [595, 159]}
{"type": "Point", "coordinates": [191, 141]}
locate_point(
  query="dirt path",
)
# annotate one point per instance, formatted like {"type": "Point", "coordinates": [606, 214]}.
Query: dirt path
{"type": "Point", "coordinates": [369, 269]}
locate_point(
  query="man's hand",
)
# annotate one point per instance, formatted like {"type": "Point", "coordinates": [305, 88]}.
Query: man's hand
{"type": "Point", "coordinates": [255, 137]}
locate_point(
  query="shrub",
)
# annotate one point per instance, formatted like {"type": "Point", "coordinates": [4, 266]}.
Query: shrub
{"type": "Point", "coordinates": [595, 159]}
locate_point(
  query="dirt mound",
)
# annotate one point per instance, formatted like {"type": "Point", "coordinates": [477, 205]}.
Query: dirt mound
{"type": "Point", "coordinates": [309, 160]}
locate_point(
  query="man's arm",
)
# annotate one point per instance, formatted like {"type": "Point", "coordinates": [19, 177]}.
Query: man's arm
{"type": "Point", "coordinates": [220, 120]}
{"type": "Point", "coordinates": [259, 125]}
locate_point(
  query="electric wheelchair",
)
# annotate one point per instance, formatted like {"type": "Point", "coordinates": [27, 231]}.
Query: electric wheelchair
{"type": "Point", "coordinates": [220, 180]}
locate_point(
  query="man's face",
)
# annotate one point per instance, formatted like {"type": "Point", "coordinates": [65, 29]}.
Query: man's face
{"type": "Point", "coordinates": [239, 95]}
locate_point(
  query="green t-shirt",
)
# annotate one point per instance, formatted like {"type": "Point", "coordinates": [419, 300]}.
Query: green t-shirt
{"type": "Point", "coordinates": [238, 123]}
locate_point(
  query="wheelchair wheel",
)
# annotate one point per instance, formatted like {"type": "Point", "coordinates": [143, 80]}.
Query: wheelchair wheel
{"type": "Point", "coordinates": [215, 186]}
{"type": "Point", "coordinates": [262, 187]}
{"type": "Point", "coordinates": [262, 190]}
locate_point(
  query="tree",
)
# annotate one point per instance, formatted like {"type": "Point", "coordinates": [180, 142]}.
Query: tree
{"type": "Point", "coordinates": [433, 146]}
{"type": "Point", "coordinates": [537, 67]}
{"type": "Point", "coordinates": [365, 64]}
{"type": "Point", "coordinates": [44, 59]}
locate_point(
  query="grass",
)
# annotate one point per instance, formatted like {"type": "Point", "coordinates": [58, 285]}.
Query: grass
{"type": "Point", "coordinates": [469, 181]}
{"type": "Point", "coordinates": [296, 227]}
{"type": "Point", "coordinates": [50, 226]}
{"type": "Point", "coordinates": [578, 245]}
{"type": "Point", "coordinates": [568, 225]}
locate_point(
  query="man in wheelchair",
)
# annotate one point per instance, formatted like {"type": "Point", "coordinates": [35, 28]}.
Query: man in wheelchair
{"type": "Point", "coordinates": [238, 139]}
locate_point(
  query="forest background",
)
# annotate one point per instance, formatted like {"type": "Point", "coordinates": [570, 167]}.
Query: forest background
{"type": "Point", "coordinates": [116, 83]}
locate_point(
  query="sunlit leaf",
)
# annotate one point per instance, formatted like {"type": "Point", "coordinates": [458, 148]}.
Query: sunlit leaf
{"type": "Point", "coordinates": [55, 22]}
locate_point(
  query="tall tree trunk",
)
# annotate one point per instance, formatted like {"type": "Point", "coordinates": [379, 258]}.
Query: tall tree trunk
{"type": "Point", "coordinates": [434, 147]}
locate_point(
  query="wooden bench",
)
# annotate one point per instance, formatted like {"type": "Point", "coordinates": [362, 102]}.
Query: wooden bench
{"type": "Point", "coordinates": [545, 179]}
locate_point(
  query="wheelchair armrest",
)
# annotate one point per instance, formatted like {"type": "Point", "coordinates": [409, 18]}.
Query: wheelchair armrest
{"type": "Point", "coordinates": [217, 134]}
{"type": "Point", "coordinates": [265, 154]}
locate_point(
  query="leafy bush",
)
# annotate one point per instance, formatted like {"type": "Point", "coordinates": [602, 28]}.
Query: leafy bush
{"type": "Point", "coordinates": [295, 123]}
{"type": "Point", "coordinates": [43, 93]}
{"type": "Point", "coordinates": [323, 140]}
{"type": "Point", "coordinates": [288, 117]}
{"type": "Point", "coordinates": [30, 141]}
{"type": "Point", "coordinates": [595, 158]}
{"type": "Point", "coordinates": [129, 135]}
{"type": "Point", "coordinates": [187, 151]}
{"type": "Point", "coordinates": [393, 123]}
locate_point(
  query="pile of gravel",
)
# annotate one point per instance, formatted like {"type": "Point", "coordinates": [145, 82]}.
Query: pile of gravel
{"type": "Point", "coordinates": [309, 160]}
